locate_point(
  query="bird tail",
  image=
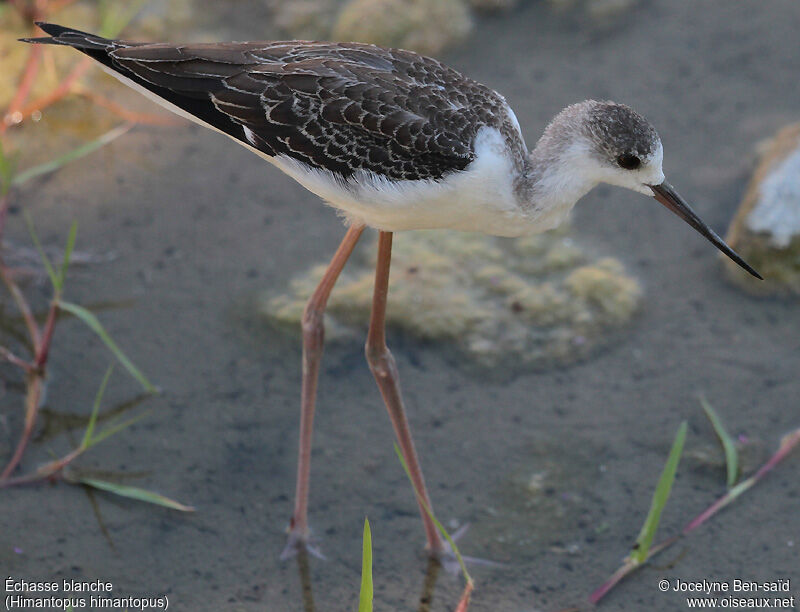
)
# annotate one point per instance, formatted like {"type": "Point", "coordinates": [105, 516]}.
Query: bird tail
{"type": "Point", "coordinates": [60, 35]}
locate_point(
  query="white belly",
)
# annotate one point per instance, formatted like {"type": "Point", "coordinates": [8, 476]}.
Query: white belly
{"type": "Point", "coordinates": [480, 198]}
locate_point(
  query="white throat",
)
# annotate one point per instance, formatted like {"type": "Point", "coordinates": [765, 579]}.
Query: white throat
{"type": "Point", "coordinates": [556, 183]}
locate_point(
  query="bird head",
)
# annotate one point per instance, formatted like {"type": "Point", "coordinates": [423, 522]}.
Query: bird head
{"type": "Point", "coordinates": [612, 143]}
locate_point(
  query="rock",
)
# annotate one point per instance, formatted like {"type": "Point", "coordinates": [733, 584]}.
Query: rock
{"type": "Point", "coordinates": [766, 228]}
{"type": "Point", "coordinates": [425, 26]}
{"type": "Point", "coordinates": [529, 302]}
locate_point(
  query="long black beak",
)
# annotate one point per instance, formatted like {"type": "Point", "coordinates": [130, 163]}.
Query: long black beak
{"type": "Point", "coordinates": [665, 194]}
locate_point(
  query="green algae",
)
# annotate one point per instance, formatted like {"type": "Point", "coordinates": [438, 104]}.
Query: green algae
{"type": "Point", "coordinates": [539, 301]}
{"type": "Point", "coordinates": [426, 26]}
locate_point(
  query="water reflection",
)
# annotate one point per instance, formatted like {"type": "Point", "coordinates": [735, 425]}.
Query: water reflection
{"type": "Point", "coordinates": [431, 575]}
{"type": "Point", "coordinates": [432, 571]}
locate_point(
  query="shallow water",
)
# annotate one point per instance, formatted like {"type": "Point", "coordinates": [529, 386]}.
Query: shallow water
{"type": "Point", "coordinates": [553, 470]}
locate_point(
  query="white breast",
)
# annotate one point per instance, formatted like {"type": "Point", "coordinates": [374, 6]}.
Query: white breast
{"type": "Point", "coordinates": [480, 198]}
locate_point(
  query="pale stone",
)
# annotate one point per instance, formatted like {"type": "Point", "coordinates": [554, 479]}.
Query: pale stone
{"type": "Point", "coordinates": [766, 228]}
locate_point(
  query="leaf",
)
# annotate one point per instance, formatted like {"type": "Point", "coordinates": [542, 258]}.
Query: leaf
{"type": "Point", "coordinates": [87, 436]}
{"type": "Point", "coordinates": [62, 273]}
{"type": "Point", "coordinates": [787, 445]}
{"type": "Point", "coordinates": [436, 522]}
{"type": "Point", "coordinates": [45, 259]}
{"type": "Point", "coordinates": [728, 445]}
{"type": "Point", "coordinates": [76, 153]}
{"type": "Point", "coordinates": [94, 324]}
{"type": "Point", "coordinates": [7, 169]}
{"type": "Point", "coordinates": [114, 429]}
{"type": "Point", "coordinates": [365, 595]}
{"type": "Point", "coordinates": [660, 497]}
{"type": "Point", "coordinates": [134, 493]}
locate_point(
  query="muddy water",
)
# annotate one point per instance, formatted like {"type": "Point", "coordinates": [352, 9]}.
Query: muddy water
{"type": "Point", "coordinates": [553, 470]}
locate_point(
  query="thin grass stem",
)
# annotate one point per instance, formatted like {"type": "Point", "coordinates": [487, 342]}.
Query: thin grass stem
{"type": "Point", "coordinates": [32, 397]}
{"type": "Point", "coordinates": [788, 443]}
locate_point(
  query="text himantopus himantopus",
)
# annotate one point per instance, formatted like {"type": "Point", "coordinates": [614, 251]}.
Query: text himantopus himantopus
{"type": "Point", "coordinates": [394, 141]}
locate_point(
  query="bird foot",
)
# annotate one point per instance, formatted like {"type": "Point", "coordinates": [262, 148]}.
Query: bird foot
{"type": "Point", "coordinates": [447, 558]}
{"type": "Point", "coordinates": [300, 542]}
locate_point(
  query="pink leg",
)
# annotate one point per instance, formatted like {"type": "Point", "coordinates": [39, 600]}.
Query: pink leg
{"type": "Point", "coordinates": [384, 368]}
{"type": "Point", "coordinates": [313, 338]}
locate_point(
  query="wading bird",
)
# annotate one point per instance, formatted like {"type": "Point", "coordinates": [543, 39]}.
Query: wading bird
{"type": "Point", "coordinates": [394, 141]}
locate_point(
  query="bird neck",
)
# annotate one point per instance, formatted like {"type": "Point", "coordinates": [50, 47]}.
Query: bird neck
{"type": "Point", "coordinates": [556, 176]}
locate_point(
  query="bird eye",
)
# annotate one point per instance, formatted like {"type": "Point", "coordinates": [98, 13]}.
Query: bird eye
{"type": "Point", "coordinates": [628, 161]}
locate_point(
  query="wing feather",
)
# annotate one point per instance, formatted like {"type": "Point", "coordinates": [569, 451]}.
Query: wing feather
{"type": "Point", "coordinates": [345, 107]}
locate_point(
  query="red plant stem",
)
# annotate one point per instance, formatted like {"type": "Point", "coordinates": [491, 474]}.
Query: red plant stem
{"type": "Point", "coordinates": [34, 385]}
{"type": "Point", "coordinates": [60, 91]}
{"type": "Point", "coordinates": [22, 10]}
{"type": "Point", "coordinates": [787, 445]}
{"type": "Point", "coordinates": [29, 13]}
{"type": "Point", "coordinates": [463, 603]}
{"type": "Point", "coordinates": [25, 84]}
{"type": "Point", "coordinates": [22, 304]}
{"type": "Point", "coordinates": [17, 361]}
{"type": "Point", "coordinates": [612, 581]}
{"type": "Point", "coordinates": [627, 568]}
{"type": "Point", "coordinates": [35, 382]}
{"type": "Point", "coordinates": [21, 480]}
{"type": "Point", "coordinates": [47, 471]}
{"type": "Point", "coordinates": [47, 335]}
{"type": "Point", "coordinates": [35, 374]}
{"type": "Point", "coordinates": [57, 5]}
{"type": "Point", "coordinates": [716, 507]}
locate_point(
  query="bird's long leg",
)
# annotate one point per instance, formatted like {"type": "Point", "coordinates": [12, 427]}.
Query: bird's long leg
{"type": "Point", "coordinates": [384, 368]}
{"type": "Point", "coordinates": [313, 339]}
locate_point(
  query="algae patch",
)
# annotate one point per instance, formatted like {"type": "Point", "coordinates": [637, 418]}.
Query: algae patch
{"type": "Point", "coordinates": [534, 302]}
{"type": "Point", "coordinates": [426, 26]}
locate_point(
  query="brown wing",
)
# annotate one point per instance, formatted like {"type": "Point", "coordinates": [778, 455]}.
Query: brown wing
{"type": "Point", "coordinates": [344, 107]}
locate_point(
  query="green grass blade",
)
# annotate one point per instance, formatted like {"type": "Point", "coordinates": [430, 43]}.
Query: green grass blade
{"type": "Point", "coordinates": [436, 522]}
{"type": "Point", "coordinates": [76, 153]}
{"type": "Point", "coordinates": [114, 429]}
{"type": "Point", "coordinates": [62, 273]}
{"type": "Point", "coordinates": [728, 445]}
{"type": "Point", "coordinates": [87, 436]}
{"type": "Point", "coordinates": [7, 170]}
{"type": "Point", "coordinates": [135, 493]}
{"type": "Point", "coordinates": [660, 497]}
{"type": "Point", "coordinates": [114, 19]}
{"type": "Point", "coordinates": [365, 595]}
{"type": "Point", "coordinates": [45, 259]}
{"type": "Point", "coordinates": [94, 324]}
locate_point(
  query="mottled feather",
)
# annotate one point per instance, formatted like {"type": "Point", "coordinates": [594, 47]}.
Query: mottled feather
{"type": "Point", "coordinates": [342, 107]}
